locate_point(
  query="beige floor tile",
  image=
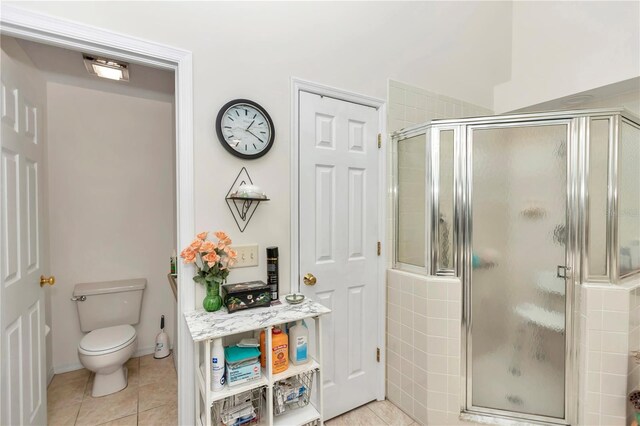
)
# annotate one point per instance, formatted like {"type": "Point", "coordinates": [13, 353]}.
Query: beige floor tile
{"type": "Point", "coordinates": [71, 376]}
{"type": "Point", "coordinates": [390, 413]}
{"type": "Point", "coordinates": [63, 415]}
{"type": "Point", "coordinates": [156, 371]}
{"type": "Point", "coordinates": [156, 394]}
{"type": "Point", "coordinates": [131, 420]}
{"type": "Point", "coordinates": [160, 416]}
{"type": "Point", "coordinates": [149, 359]}
{"type": "Point", "coordinates": [95, 411]}
{"type": "Point", "coordinates": [67, 392]}
{"type": "Point", "coordinates": [362, 416]}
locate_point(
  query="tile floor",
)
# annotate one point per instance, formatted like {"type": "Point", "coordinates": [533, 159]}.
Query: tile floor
{"type": "Point", "coordinates": [149, 399]}
{"type": "Point", "coordinates": [376, 413]}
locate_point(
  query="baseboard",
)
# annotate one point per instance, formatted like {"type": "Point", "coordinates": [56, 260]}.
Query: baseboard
{"type": "Point", "coordinates": [68, 367]}
{"type": "Point", "coordinates": [144, 351]}
{"type": "Point", "coordinates": [50, 374]}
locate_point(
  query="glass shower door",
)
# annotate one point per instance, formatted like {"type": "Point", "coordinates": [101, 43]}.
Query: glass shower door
{"type": "Point", "coordinates": [517, 342]}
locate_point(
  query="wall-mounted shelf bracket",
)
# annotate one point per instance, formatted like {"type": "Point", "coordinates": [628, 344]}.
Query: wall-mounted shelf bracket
{"type": "Point", "coordinates": [242, 208]}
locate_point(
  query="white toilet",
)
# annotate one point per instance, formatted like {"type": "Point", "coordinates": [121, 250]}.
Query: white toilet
{"type": "Point", "coordinates": [107, 310]}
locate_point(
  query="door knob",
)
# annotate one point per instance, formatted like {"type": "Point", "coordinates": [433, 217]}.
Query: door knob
{"type": "Point", "coordinates": [51, 280]}
{"type": "Point", "coordinates": [309, 279]}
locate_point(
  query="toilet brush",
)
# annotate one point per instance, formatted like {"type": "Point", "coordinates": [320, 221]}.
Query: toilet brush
{"type": "Point", "coordinates": [162, 342]}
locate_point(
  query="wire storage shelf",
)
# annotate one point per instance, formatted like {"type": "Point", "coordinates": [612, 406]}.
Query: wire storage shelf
{"type": "Point", "coordinates": [292, 393]}
{"type": "Point", "coordinates": [246, 408]}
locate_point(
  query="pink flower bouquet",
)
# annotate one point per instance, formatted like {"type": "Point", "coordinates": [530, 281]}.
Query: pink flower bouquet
{"type": "Point", "coordinates": [212, 260]}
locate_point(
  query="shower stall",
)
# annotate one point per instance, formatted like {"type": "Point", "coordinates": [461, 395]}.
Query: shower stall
{"type": "Point", "coordinates": [522, 209]}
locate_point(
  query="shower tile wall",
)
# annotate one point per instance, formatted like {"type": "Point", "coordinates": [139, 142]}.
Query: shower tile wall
{"type": "Point", "coordinates": [408, 106]}
{"type": "Point", "coordinates": [423, 313]}
{"type": "Point", "coordinates": [423, 346]}
{"type": "Point", "coordinates": [610, 329]}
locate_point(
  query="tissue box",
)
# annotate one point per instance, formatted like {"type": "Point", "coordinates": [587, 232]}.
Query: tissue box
{"type": "Point", "coordinates": [243, 372]}
{"type": "Point", "coordinates": [252, 294]}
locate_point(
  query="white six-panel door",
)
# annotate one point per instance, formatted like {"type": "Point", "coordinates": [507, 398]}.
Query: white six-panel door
{"type": "Point", "coordinates": [338, 196]}
{"type": "Point", "coordinates": [22, 251]}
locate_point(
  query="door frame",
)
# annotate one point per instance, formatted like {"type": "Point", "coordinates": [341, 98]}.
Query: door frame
{"type": "Point", "coordinates": [299, 85]}
{"type": "Point", "coordinates": [46, 29]}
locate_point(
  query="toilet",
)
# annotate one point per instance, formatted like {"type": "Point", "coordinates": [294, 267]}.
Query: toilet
{"type": "Point", "coordinates": [107, 312]}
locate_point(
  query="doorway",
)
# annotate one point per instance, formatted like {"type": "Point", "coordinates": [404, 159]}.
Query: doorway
{"type": "Point", "coordinates": [36, 27]}
{"type": "Point", "coordinates": [338, 212]}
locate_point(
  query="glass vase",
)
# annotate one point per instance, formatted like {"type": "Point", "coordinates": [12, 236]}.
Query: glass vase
{"type": "Point", "coordinates": [212, 301]}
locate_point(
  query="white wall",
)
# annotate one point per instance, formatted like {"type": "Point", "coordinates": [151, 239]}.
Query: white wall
{"type": "Point", "coordinates": [560, 48]}
{"type": "Point", "coordinates": [111, 205]}
{"type": "Point", "coordinates": [243, 49]}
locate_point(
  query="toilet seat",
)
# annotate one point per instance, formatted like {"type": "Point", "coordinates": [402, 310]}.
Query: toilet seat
{"type": "Point", "coordinates": [107, 340]}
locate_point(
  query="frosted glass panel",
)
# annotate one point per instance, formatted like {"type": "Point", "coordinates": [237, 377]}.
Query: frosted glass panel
{"type": "Point", "coordinates": [597, 184]}
{"type": "Point", "coordinates": [411, 200]}
{"type": "Point", "coordinates": [445, 201]}
{"type": "Point", "coordinates": [517, 350]}
{"type": "Point", "coordinates": [629, 199]}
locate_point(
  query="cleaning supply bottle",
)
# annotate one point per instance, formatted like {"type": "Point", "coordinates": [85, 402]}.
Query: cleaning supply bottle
{"type": "Point", "coordinates": [299, 343]}
{"type": "Point", "coordinates": [263, 350]}
{"type": "Point", "coordinates": [217, 364]}
{"type": "Point", "coordinates": [279, 351]}
{"type": "Point", "coordinates": [162, 342]}
{"type": "Point", "coordinates": [272, 271]}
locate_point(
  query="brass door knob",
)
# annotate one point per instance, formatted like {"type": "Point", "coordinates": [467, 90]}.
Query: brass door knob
{"type": "Point", "coordinates": [43, 280]}
{"type": "Point", "coordinates": [309, 279]}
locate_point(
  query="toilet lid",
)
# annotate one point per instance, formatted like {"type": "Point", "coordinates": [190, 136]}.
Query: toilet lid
{"type": "Point", "coordinates": [104, 339]}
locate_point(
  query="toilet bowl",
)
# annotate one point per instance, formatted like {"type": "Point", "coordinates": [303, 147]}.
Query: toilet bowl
{"type": "Point", "coordinates": [105, 351]}
{"type": "Point", "coordinates": [107, 310]}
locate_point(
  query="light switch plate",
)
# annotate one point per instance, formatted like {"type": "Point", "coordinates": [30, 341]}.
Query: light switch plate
{"type": "Point", "coordinates": [247, 255]}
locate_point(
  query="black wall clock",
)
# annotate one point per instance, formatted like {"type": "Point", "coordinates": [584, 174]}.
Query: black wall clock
{"type": "Point", "coordinates": [245, 129]}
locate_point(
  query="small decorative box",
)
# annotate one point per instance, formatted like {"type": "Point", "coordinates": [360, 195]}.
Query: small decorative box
{"type": "Point", "coordinates": [252, 294]}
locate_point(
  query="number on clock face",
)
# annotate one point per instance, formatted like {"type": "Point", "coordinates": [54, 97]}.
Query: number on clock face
{"type": "Point", "coordinates": [246, 129]}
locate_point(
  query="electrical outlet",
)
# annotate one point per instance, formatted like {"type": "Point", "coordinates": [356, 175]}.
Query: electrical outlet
{"type": "Point", "coordinates": [247, 255]}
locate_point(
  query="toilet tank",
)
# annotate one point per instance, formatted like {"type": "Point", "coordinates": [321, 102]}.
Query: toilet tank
{"type": "Point", "coordinates": [109, 303]}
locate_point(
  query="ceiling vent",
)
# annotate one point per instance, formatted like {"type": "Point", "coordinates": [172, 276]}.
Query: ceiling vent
{"type": "Point", "coordinates": [106, 68]}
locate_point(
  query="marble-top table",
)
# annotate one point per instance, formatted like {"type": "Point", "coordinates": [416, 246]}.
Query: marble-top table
{"type": "Point", "coordinates": [205, 325]}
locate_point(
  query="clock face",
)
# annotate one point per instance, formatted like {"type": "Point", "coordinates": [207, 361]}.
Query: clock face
{"type": "Point", "coordinates": [245, 129]}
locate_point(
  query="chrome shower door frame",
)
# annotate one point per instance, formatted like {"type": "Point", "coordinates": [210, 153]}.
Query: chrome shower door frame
{"type": "Point", "coordinates": [482, 414]}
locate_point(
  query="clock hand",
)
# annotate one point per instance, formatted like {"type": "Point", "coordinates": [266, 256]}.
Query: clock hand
{"type": "Point", "coordinates": [255, 136]}
{"type": "Point", "coordinates": [250, 125]}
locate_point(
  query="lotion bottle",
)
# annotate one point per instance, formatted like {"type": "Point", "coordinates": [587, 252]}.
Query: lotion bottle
{"type": "Point", "coordinates": [217, 366]}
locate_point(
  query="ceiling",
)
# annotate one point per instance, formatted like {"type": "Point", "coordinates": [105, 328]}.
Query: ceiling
{"type": "Point", "coordinates": [67, 67]}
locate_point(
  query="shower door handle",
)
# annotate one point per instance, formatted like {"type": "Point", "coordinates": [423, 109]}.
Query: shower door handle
{"type": "Point", "coordinates": [562, 271]}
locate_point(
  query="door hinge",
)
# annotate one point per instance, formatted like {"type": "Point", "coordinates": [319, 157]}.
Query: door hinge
{"type": "Point", "coordinates": [378, 354]}
{"type": "Point", "coordinates": [379, 248]}
{"type": "Point", "coordinates": [379, 140]}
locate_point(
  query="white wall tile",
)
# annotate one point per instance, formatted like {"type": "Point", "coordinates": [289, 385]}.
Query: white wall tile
{"type": "Point", "coordinates": [614, 384]}
{"type": "Point", "coordinates": [437, 309]}
{"type": "Point", "coordinates": [614, 363]}
{"type": "Point", "coordinates": [613, 405]}
{"type": "Point", "coordinates": [616, 300]}
{"type": "Point", "coordinates": [615, 342]}
{"type": "Point", "coordinates": [437, 327]}
{"type": "Point", "coordinates": [615, 321]}
{"type": "Point", "coordinates": [437, 290]}
{"type": "Point", "coordinates": [436, 364]}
